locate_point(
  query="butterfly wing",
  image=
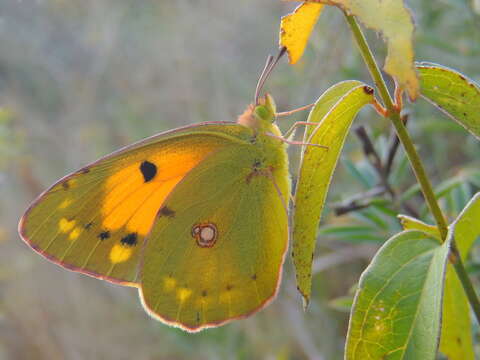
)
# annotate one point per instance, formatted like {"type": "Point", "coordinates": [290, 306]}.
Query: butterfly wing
{"type": "Point", "coordinates": [217, 251]}
{"type": "Point", "coordinates": [96, 219]}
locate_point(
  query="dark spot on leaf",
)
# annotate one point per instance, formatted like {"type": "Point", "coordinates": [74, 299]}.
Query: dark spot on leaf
{"type": "Point", "coordinates": [463, 94]}
{"type": "Point", "coordinates": [129, 240]}
{"type": "Point", "coordinates": [198, 317]}
{"type": "Point", "coordinates": [88, 226]}
{"type": "Point", "coordinates": [166, 211]}
{"type": "Point", "coordinates": [204, 293]}
{"type": "Point", "coordinates": [104, 235]}
{"type": "Point", "coordinates": [459, 341]}
{"type": "Point", "coordinates": [65, 185]}
{"type": "Point", "coordinates": [229, 287]}
{"type": "Point", "coordinates": [465, 114]}
{"type": "Point", "coordinates": [368, 90]}
{"type": "Point", "coordinates": [254, 277]}
{"type": "Point", "coordinates": [149, 170]}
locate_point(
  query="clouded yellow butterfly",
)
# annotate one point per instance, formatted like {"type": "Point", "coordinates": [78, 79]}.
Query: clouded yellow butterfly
{"type": "Point", "coordinates": [195, 218]}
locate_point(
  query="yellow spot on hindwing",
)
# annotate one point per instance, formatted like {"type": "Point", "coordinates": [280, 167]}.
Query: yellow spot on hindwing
{"type": "Point", "coordinates": [66, 225]}
{"type": "Point", "coordinates": [183, 294]}
{"type": "Point", "coordinates": [120, 253]}
{"type": "Point", "coordinates": [225, 296]}
{"type": "Point", "coordinates": [169, 283]}
{"type": "Point", "coordinates": [133, 203]}
{"type": "Point", "coordinates": [75, 234]}
{"type": "Point", "coordinates": [65, 203]}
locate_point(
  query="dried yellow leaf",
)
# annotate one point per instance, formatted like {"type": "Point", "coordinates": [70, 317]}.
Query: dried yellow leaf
{"type": "Point", "coordinates": [392, 20]}
{"type": "Point", "coordinates": [295, 29]}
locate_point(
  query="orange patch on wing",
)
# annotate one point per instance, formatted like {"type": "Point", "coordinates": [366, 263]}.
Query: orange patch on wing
{"type": "Point", "coordinates": [133, 202]}
{"type": "Point", "coordinates": [143, 219]}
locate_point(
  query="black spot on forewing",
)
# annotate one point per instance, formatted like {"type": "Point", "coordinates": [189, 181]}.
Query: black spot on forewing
{"type": "Point", "coordinates": [104, 235]}
{"type": "Point", "coordinates": [166, 211]}
{"type": "Point", "coordinates": [129, 240]}
{"type": "Point", "coordinates": [149, 170]}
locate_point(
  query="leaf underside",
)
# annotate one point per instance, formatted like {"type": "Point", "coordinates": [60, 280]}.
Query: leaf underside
{"type": "Point", "coordinates": [453, 93]}
{"type": "Point", "coordinates": [334, 112]}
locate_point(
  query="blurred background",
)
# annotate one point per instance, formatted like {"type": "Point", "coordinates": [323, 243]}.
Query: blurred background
{"type": "Point", "coordinates": [80, 78]}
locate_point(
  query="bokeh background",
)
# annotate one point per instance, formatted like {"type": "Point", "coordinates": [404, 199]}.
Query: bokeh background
{"type": "Point", "coordinates": [80, 78]}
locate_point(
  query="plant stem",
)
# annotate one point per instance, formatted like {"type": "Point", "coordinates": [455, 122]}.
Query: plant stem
{"type": "Point", "coordinates": [465, 280]}
{"type": "Point", "coordinates": [415, 162]}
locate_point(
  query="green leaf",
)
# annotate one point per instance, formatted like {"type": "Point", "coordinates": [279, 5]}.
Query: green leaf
{"type": "Point", "coordinates": [356, 174]}
{"type": "Point", "coordinates": [346, 230]}
{"type": "Point", "coordinates": [453, 93]}
{"type": "Point", "coordinates": [410, 223]}
{"type": "Point", "coordinates": [316, 172]}
{"type": "Point", "coordinates": [445, 187]}
{"type": "Point", "coordinates": [467, 226]}
{"type": "Point", "coordinates": [396, 311]}
{"type": "Point", "coordinates": [325, 103]}
{"type": "Point", "coordinates": [343, 303]}
{"type": "Point", "coordinates": [456, 340]}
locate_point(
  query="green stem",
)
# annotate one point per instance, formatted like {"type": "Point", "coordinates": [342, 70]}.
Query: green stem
{"type": "Point", "coordinates": [413, 157]}
{"type": "Point", "coordinates": [465, 280]}
{"type": "Point", "coordinates": [400, 128]}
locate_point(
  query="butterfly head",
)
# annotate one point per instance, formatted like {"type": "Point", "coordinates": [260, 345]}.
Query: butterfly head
{"type": "Point", "coordinates": [259, 117]}
{"type": "Point", "coordinates": [265, 110]}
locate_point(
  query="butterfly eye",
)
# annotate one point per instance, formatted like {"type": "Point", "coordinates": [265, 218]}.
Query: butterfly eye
{"type": "Point", "coordinates": [205, 234]}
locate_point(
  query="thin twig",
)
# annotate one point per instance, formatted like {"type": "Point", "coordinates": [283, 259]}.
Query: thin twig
{"type": "Point", "coordinates": [374, 159]}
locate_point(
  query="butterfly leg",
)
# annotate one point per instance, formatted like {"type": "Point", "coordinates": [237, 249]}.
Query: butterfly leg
{"type": "Point", "coordinates": [292, 129]}
{"type": "Point", "coordinates": [291, 142]}
{"type": "Point", "coordinates": [291, 112]}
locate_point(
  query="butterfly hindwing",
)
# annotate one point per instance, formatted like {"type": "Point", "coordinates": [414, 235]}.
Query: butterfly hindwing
{"type": "Point", "coordinates": [216, 251]}
{"type": "Point", "coordinates": [96, 219]}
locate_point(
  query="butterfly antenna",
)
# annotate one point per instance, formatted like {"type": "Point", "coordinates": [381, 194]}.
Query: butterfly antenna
{"type": "Point", "coordinates": [261, 80]}
{"type": "Point", "coordinates": [267, 70]}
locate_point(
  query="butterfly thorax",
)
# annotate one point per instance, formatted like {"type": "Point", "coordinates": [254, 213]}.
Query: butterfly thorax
{"type": "Point", "coordinates": [267, 138]}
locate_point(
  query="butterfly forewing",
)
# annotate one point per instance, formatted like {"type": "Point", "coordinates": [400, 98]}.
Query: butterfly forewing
{"type": "Point", "coordinates": [96, 220]}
